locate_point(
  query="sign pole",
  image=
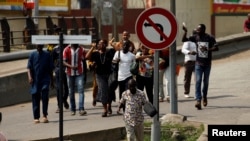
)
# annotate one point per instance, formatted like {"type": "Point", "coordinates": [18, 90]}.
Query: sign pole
{"type": "Point", "coordinates": [173, 90]}
{"type": "Point", "coordinates": [36, 12]}
{"type": "Point", "coordinates": [152, 28]}
{"type": "Point", "coordinates": [61, 86]}
{"type": "Point", "coordinates": [155, 133]}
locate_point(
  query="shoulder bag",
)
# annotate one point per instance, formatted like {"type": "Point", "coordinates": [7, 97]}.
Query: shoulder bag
{"type": "Point", "coordinates": [149, 109]}
{"type": "Point", "coordinates": [134, 68]}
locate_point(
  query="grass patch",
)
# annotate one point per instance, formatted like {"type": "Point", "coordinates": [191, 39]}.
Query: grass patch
{"type": "Point", "coordinates": [175, 132]}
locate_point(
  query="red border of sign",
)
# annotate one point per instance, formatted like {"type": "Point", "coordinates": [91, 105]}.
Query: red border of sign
{"type": "Point", "coordinates": [144, 16]}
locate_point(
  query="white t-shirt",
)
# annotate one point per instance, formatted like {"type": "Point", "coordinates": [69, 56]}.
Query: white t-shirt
{"type": "Point", "coordinates": [124, 64]}
{"type": "Point", "coordinates": [188, 47]}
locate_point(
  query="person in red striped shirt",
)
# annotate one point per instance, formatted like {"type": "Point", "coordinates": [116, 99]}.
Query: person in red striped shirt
{"type": "Point", "coordinates": [73, 57]}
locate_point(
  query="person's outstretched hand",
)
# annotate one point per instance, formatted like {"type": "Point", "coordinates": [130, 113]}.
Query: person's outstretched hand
{"type": "Point", "coordinates": [184, 28]}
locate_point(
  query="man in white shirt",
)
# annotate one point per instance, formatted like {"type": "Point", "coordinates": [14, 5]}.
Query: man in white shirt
{"type": "Point", "coordinates": [125, 60]}
{"type": "Point", "coordinates": [189, 50]}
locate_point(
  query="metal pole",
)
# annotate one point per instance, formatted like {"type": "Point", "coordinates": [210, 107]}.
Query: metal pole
{"type": "Point", "coordinates": [173, 88]}
{"type": "Point", "coordinates": [114, 17]}
{"type": "Point", "coordinates": [61, 86]}
{"type": "Point", "coordinates": [36, 12]}
{"type": "Point", "coordinates": [99, 19]}
{"type": "Point", "coordinates": [155, 133]}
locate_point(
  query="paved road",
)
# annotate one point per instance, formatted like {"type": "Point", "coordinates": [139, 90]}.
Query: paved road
{"type": "Point", "coordinates": [228, 103]}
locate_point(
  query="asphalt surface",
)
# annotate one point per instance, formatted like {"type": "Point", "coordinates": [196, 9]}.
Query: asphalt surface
{"type": "Point", "coordinates": [228, 103]}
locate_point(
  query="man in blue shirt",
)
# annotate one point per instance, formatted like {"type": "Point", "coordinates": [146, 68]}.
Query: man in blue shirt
{"type": "Point", "coordinates": [40, 75]}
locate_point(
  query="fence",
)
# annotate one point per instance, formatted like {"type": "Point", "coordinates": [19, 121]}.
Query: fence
{"type": "Point", "coordinates": [21, 38]}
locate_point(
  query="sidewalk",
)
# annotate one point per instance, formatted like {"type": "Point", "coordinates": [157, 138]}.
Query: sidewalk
{"type": "Point", "coordinates": [228, 103]}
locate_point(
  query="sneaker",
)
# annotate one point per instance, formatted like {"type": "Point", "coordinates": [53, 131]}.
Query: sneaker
{"type": "Point", "coordinates": [94, 103]}
{"type": "Point", "coordinates": [168, 99]}
{"type": "Point", "coordinates": [198, 105]}
{"type": "Point", "coordinates": [57, 110]}
{"type": "Point", "coordinates": [73, 113]}
{"type": "Point", "coordinates": [82, 112]}
{"type": "Point", "coordinates": [45, 120]}
{"type": "Point", "coordinates": [36, 121]}
{"type": "Point", "coordinates": [186, 95]}
{"type": "Point", "coordinates": [204, 102]}
{"type": "Point", "coordinates": [66, 104]}
{"type": "Point", "coordinates": [161, 99]}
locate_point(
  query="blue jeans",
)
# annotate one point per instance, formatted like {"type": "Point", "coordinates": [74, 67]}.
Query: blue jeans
{"type": "Point", "coordinates": [78, 82]}
{"type": "Point", "coordinates": [199, 72]}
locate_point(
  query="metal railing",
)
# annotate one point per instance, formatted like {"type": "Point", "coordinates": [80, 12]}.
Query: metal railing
{"type": "Point", "coordinates": [11, 39]}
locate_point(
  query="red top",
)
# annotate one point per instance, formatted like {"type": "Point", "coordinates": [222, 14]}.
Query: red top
{"type": "Point", "coordinates": [74, 58]}
{"type": "Point", "coordinates": [247, 25]}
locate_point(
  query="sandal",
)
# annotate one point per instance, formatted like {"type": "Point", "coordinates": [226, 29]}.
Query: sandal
{"type": "Point", "coordinates": [94, 103]}
{"type": "Point", "coordinates": [36, 121]}
{"type": "Point", "coordinates": [104, 114]}
{"type": "Point", "coordinates": [161, 100]}
{"type": "Point", "coordinates": [118, 113]}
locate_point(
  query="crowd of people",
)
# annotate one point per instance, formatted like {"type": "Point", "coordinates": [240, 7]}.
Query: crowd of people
{"type": "Point", "coordinates": [101, 59]}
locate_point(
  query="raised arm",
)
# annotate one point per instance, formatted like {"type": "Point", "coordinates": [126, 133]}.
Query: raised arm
{"type": "Point", "coordinates": [184, 36]}
{"type": "Point", "coordinates": [89, 53]}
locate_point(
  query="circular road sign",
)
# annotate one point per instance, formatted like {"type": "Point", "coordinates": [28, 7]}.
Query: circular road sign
{"type": "Point", "coordinates": [156, 28]}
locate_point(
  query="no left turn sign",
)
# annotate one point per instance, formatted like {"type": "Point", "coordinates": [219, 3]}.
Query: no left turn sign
{"type": "Point", "coordinates": [156, 28]}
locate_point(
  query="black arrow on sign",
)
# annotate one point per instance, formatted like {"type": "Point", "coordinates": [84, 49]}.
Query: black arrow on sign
{"type": "Point", "coordinates": [157, 24]}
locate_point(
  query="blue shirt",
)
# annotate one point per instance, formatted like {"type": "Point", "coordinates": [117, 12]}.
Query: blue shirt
{"type": "Point", "coordinates": [41, 67]}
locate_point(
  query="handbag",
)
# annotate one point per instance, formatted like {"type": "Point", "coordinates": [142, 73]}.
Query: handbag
{"type": "Point", "coordinates": [115, 66]}
{"type": "Point", "coordinates": [134, 67]}
{"type": "Point", "coordinates": [149, 109]}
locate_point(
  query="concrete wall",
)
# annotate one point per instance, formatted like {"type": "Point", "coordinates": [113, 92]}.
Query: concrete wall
{"type": "Point", "coordinates": [227, 25]}
{"type": "Point", "coordinates": [114, 134]}
{"type": "Point", "coordinates": [14, 88]}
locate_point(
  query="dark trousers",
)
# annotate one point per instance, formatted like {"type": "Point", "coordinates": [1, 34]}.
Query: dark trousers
{"type": "Point", "coordinates": [123, 85]}
{"type": "Point", "coordinates": [36, 98]}
{"type": "Point", "coordinates": [64, 85]}
{"type": "Point", "coordinates": [148, 83]}
{"type": "Point", "coordinates": [189, 70]}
